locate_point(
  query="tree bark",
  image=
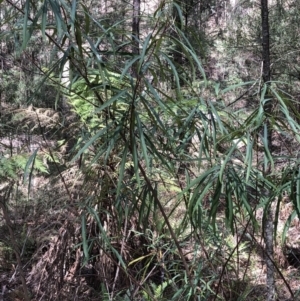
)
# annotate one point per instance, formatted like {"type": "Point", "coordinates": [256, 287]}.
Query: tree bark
{"type": "Point", "coordinates": [265, 41]}
{"type": "Point", "coordinates": [136, 33]}
{"type": "Point", "coordinates": [268, 222]}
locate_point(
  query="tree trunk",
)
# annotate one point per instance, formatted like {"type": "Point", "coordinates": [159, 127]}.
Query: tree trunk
{"type": "Point", "coordinates": [268, 222]}
{"type": "Point", "coordinates": [136, 33]}
{"type": "Point", "coordinates": [265, 41]}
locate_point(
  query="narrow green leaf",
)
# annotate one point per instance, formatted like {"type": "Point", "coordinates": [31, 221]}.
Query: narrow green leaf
{"type": "Point", "coordinates": [143, 53]}
{"type": "Point", "coordinates": [84, 240]}
{"type": "Point", "coordinates": [111, 101]}
{"type": "Point", "coordinates": [60, 25]}
{"type": "Point", "coordinates": [142, 140]}
{"type": "Point", "coordinates": [44, 20]}
{"type": "Point", "coordinates": [249, 156]}
{"type": "Point", "coordinates": [209, 184]}
{"type": "Point", "coordinates": [236, 86]}
{"type": "Point", "coordinates": [196, 59]}
{"type": "Point", "coordinates": [214, 205]}
{"type": "Point", "coordinates": [95, 51]}
{"type": "Point", "coordinates": [128, 66]}
{"type": "Point", "coordinates": [122, 170]}
{"type": "Point", "coordinates": [105, 238]}
{"type": "Point", "coordinates": [28, 171]}
{"type": "Point", "coordinates": [87, 19]}
{"type": "Point", "coordinates": [152, 148]}
{"type": "Point", "coordinates": [26, 36]}
{"type": "Point", "coordinates": [276, 219]}
{"type": "Point", "coordinates": [178, 13]}
{"type": "Point", "coordinates": [263, 94]}
{"type": "Point", "coordinates": [215, 117]}
{"type": "Point", "coordinates": [229, 207]}
{"type": "Point", "coordinates": [73, 15]}
{"type": "Point", "coordinates": [135, 160]}
{"type": "Point", "coordinates": [198, 180]}
{"type": "Point", "coordinates": [78, 37]}
{"type": "Point", "coordinates": [268, 156]}
{"type": "Point", "coordinates": [91, 141]}
{"type": "Point", "coordinates": [174, 70]}
{"type": "Point", "coordinates": [287, 226]}
{"type": "Point", "coordinates": [286, 111]}
{"type": "Point", "coordinates": [225, 161]}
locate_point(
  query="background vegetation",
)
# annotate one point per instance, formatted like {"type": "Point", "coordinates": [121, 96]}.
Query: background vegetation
{"type": "Point", "coordinates": [149, 151]}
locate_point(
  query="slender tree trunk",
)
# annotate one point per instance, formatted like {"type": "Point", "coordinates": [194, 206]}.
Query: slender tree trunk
{"type": "Point", "coordinates": [136, 32]}
{"type": "Point", "coordinates": [265, 41]}
{"type": "Point", "coordinates": [268, 222]}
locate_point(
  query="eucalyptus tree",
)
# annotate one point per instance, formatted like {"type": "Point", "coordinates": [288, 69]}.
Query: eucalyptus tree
{"type": "Point", "coordinates": [266, 75]}
{"type": "Point", "coordinates": [275, 96]}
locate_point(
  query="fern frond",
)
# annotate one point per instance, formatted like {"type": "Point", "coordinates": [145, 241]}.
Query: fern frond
{"type": "Point", "coordinates": [12, 167]}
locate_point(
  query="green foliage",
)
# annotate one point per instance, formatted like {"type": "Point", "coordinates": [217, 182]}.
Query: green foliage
{"type": "Point", "coordinates": [158, 291]}
{"type": "Point", "coordinates": [164, 150]}
{"type": "Point", "coordinates": [112, 91]}
{"type": "Point", "coordinates": [12, 167]}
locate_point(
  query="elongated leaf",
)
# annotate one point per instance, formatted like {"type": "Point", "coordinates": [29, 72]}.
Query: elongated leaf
{"type": "Point", "coordinates": [229, 207]}
{"type": "Point", "coordinates": [84, 240]}
{"type": "Point", "coordinates": [87, 19]}
{"type": "Point", "coordinates": [60, 24]}
{"type": "Point", "coordinates": [111, 101]}
{"type": "Point", "coordinates": [214, 205]}
{"type": "Point", "coordinates": [135, 159]}
{"type": "Point", "coordinates": [26, 36]}
{"type": "Point", "coordinates": [174, 70]}
{"type": "Point", "coordinates": [106, 238]}
{"type": "Point", "coordinates": [142, 140]}
{"type": "Point", "coordinates": [197, 198]}
{"type": "Point", "coordinates": [143, 53]}
{"type": "Point", "coordinates": [287, 226]}
{"type": "Point", "coordinates": [72, 15]}
{"type": "Point", "coordinates": [128, 66]}
{"type": "Point", "coordinates": [196, 59]}
{"type": "Point", "coordinates": [237, 86]}
{"type": "Point", "coordinates": [139, 259]}
{"type": "Point", "coordinates": [268, 157]}
{"type": "Point", "coordinates": [91, 141]}
{"type": "Point", "coordinates": [249, 157]}
{"type": "Point", "coordinates": [178, 13]}
{"type": "Point", "coordinates": [225, 161]}
{"type": "Point", "coordinates": [276, 218]}
{"type": "Point", "coordinates": [28, 171]}
{"type": "Point", "coordinates": [44, 20]}
{"type": "Point", "coordinates": [122, 170]}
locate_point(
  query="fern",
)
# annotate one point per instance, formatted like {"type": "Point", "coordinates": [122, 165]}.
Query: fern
{"type": "Point", "coordinates": [12, 167]}
{"type": "Point", "coordinates": [85, 103]}
{"type": "Point", "coordinates": [158, 291]}
{"type": "Point", "coordinates": [7, 168]}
